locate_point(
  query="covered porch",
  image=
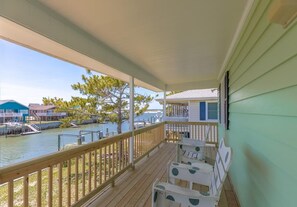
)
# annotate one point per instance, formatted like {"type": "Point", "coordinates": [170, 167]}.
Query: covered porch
{"type": "Point", "coordinates": [246, 49]}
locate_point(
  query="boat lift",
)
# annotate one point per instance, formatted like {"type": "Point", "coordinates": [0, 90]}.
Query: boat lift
{"type": "Point", "coordinates": [80, 138]}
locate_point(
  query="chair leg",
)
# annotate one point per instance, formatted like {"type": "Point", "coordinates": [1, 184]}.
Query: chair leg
{"type": "Point", "coordinates": [171, 180]}
{"type": "Point", "coordinates": [159, 200]}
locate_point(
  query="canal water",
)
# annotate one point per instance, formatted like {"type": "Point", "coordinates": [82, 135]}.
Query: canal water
{"type": "Point", "coordinates": [21, 148]}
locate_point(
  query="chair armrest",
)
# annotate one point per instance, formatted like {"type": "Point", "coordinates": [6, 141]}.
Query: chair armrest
{"type": "Point", "coordinates": [184, 196]}
{"type": "Point", "coordinates": [197, 174]}
{"type": "Point", "coordinates": [192, 142]}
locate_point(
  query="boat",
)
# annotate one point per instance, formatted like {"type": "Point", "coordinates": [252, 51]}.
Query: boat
{"type": "Point", "coordinates": [73, 125]}
{"type": "Point", "coordinates": [140, 124]}
{"type": "Point", "coordinates": [30, 132]}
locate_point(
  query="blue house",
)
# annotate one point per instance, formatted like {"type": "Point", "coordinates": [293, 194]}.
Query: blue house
{"type": "Point", "coordinates": [12, 111]}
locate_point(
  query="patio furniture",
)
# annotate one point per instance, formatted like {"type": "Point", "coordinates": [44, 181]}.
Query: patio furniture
{"type": "Point", "coordinates": [165, 193]}
{"type": "Point", "coordinates": [191, 150]}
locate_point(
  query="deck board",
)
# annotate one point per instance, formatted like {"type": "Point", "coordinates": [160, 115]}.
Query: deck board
{"type": "Point", "coordinates": [134, 187]}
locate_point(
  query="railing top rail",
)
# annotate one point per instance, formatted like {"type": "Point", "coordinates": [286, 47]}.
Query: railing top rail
{"type": "Point", "coordinates": [20, 169]}
{"type": "Point", "coordinates": [192, 123]}
{"type": "Point", "coordinates": [144, 129]}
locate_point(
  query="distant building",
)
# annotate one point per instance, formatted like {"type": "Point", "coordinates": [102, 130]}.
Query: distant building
{"type": "Point", "coordinates": [192, 105]}
{"type": "Point", "coordinates": [12, 111]}
{"type": "Point", "coordinates": [45, 112]}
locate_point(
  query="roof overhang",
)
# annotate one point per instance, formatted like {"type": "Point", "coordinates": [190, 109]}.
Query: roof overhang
{"type": "Point", "coordinates": [164, 45]}
{"type": "Point", "coordinates": [186, 100]}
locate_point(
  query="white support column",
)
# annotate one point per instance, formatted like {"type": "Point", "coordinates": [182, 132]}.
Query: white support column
{"type": "Point", "coordinates": [164, 106]}
{"type": "Point", "coordinates": [131, 120]}
{"type": "Point", "coordinates": [164, 112]}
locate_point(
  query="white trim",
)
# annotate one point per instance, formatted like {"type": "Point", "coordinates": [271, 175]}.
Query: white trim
{"type": "Point", "coordinates": [164, 105]}
{"type": "Point", "coordinates": [131, 117]}
{"type": "Point", "coordinates": [193, 85]}
{"type": "Point", "coordinates": [236, 36]}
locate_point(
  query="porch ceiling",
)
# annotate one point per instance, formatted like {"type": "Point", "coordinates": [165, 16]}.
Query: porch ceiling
{"type": "Point", "coordinates": [176, 41]}
{"type": "Point", "coordinates": [164, 43]}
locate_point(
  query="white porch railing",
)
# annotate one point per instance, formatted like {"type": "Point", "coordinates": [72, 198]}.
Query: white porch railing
{"type": "Point", "coordinates": [176, 119]}
{"type": "Point", "coordinates": [11, 114]}
{"type": "Point", "coordinates": [51, 114]}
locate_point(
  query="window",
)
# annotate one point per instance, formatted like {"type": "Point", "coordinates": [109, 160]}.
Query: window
{"type": "Point", "coordinates": [24, 111]}
{"type": "Point", "coordinates": [208, 111]}
{"type": "Point", "coordinates": [212, 111]}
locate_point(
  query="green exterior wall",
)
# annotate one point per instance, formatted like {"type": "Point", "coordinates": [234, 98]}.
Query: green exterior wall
{"type": "Point", "coordinates": [263, 112]}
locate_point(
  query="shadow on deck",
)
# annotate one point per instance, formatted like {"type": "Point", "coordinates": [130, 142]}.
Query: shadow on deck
{"type": "Point", "coordinates": [134, 187]}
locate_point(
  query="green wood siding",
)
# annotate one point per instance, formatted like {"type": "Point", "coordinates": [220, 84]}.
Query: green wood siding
{"type": "Point", "coordinates": [263, 112]}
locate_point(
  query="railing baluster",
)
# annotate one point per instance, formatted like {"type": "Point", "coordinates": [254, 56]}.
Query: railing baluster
{"type": "Point", "coordinates": [10, 193]}
{"type": "Point", "coordinates": [50, 186]}
{"type": "Point", "coordinates": [113, 163]}
{"type": "Point", "coordinates": [69, 182]}
{"type": "Point", "coordinates": [89, 173]}
{"type": "Point", "coordinates": [95, 169]}
{"type": "Point", "coordinates": [38, 188]}
{"type": "Point", "coordinates": [109, 162]}
{"type": "Point", "coordinates": [104, 165]}
{"type": "Point", "coordinates": [116, 157]}
{"type": "Point", "coordinates": [124, 153]}
{"type": "Point", "coordinates": [138, 145]}
{"type": "Point", "coordinates": [100, 166]}
{"type": "Point", "coordinates": [60, 184]}
{"type": "Point", "coordinates": [76, 179]}
{"type": "Point", "coordinates": [120, 151]}
{"type": "Point", "coordinates": [83, 174]}
{"type": "Point", "coordinates": [127, 152]}
{"type": "Point", "coordinates": [26, 191]}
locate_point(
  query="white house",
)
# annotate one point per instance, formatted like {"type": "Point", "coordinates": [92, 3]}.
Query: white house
{"type": "Point", "coordinates": [192, 105]}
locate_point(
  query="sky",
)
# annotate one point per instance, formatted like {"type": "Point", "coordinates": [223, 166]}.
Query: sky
{"type": "Point", "coordinates": [27, 76]}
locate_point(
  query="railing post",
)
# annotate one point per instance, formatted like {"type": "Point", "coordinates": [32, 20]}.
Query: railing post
{"type": "Point", "coordinates": [59, 142]}
{"type": "Point", "coordinates": [131, 118]}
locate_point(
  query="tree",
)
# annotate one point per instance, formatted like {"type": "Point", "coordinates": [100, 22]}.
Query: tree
{"type": "Point", "coordinates": [104, 97]}
{"type": "Point", "coordinates": [111, 97]}
{"type": "Point", "coordinates": [172, 93]}
{"type": "Point", "coordinates": [77, 108]}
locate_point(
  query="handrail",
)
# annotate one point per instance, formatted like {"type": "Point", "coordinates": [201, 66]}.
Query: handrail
{"type": "Point", "coordinates": [138, 131]}
{"type": "Point", "coordinates": [192, 123]}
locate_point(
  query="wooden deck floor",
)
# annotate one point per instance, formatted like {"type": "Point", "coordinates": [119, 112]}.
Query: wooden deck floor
{"type": "Point", "coordinates": [134, 187]}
